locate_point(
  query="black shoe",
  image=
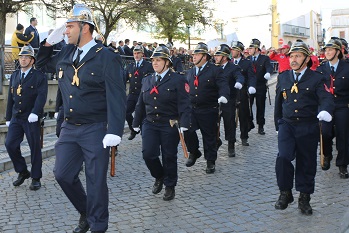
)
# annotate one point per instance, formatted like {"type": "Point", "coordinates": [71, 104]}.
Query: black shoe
{"type": "Point", "coordinates": [303, 204]}
{"type": "Point", "coordinates": [35, 185]}
{"type": "Point", "coordinates": [261, 130]}
{"type": "Point", "coordinates": [83, 226]}
{"type": "Point", "coordinates": [219, 143]}
{"type": "Point", "coordinates": [211, 167]}
{"type": "Point", "coordinates": [169, 193]}
{"type": "Point", "coordinates": [343, 172]}
{"type": "Point", "coordinates": [231, 149]}
{"type": "Point", "coordinates": [250, 126]}
{"type": "Point", "coordinates": [244, 142]}
{"type": "Point", "coordinates": [192, 158]}
{"type": "Point", "coordinates": [285, 198]}
{"type": "Point", "coordinates": [132, 135]}
{"type": "Point", "coordinates": [327, 163]}
{"type": "Point", "coordinates": [21, 178]}
{"type": "Point", "coordinates": [157, 187]}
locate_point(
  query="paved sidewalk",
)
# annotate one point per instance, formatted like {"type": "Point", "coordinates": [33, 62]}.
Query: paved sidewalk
{"type": "Point", "coordinates": [239, 197]}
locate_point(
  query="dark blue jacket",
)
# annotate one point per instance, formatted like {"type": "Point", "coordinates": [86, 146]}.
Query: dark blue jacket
{"type": "Point", "coordinates": [177, 64]}
{"type": "Point", "coordinates": [135, 76]}
{"type": "Point", "coordinates": [307, 103]}
{"type": "Point", "coordinates": [340, 82]}
{"type": "Point", "coordinates": [35, 43]}
{"type": "Point", "coordinates": [233, 74]}
{"type": "Point", "coordinates": [100, 96]}
{"type": "Point", "coordinates": [261, 67]}
{"type": "Point", "coordinates": [247, 71]}
{"type": "Point", "coordinates": [32, 97]}
{"type": "Point", "coordinates": [171, 102]}
{"type": "Point", "coordinates": [212, 85]}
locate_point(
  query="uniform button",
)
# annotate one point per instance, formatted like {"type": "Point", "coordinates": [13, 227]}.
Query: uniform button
{"type": "Point", "coordinates": [296, 110]}
{"type": "Point", "coordinates": [20, 103]}
{"type": "Point", "coordinates": [196, 95]}
{"type": "Point", "coordinates": [20, 111]}
{"type": "Point", "coordinates": [295, 101]}
{"type": "Point", "coordinates": [71, 110]}
{"type": "Point", "coordinates": [334, 87]}
{"type": "Point", "coordinates": [70, 96]}
{"type": "Point", "coordinates": [157, 115]}
{"type": "Point", "coordinates": [135, 82]}
{"type": "Point", "coordinates": [135, 76]}
{"type": "Point", "coordinates": [335, 95]}
{"type": "Point", "coordinates": [135, 87]}
{"type": "Point", "coordinates": [154, 98]}
{"type": "Point", "coordinates": [196, 87]}
{"type": "Point", "coordinates": [66, 118]}
{"type": "Point", "coordinates": [156, 107]}
{"type": "Point", "coordinates": [297, 119]}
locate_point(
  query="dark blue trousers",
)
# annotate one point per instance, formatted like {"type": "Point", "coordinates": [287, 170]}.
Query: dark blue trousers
{"type": "Point", "coordinates": [15, 134]}
{"type": "Point", "coordinates": [228, 114]}
{"type": "Point", "coordinates": [156, 136]}
{"type": "Point", "coordinates": [244, 113]}
{"type": "Point", "coordinates": [297, 141]}
{"type": "Point", "coordinates": [130, 108]}
{"type": "Point", "coordinates": [75, 145]}
{"type": "Point", "coordinates": [341, 132]}
{"type": "Point", "coordinates": [204, 119]}
{"type": "Point", "coordinates": [260, 105]}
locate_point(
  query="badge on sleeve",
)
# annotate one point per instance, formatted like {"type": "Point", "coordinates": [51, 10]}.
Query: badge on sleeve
{"type": "Point", "coordinates": [187, 88]}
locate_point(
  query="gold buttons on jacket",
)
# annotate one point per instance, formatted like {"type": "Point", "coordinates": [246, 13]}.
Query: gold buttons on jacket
{"type": "Point", "coordinates": [154, 97]}
{"type": "Point", "coordinates": [71, 110]}
{"type": "Point", "coordinates": [70, 96]}
{"type": "Point", "coordinates": [156, 107]}
{"type": "Point", "coordinates": [295, 100]}
{"type": "Point", "coordinates": [20, 103]}
{"type": "Point", "coordinates": [20, 111]}
{"type": "Point", "coordinates": [296, 110]}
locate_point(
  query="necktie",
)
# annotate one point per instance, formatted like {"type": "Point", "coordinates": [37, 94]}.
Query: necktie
{"type": "Point", "coordinates": [137, 65]}
{"type": "Point", "coordinates": [77, 59]}
{"type": "Point", "coordinates": [297, 76]}
{"type": "Point", "coordinates": [332, 70]}
{"type": "Point", "coordinates": [236, 62]}
{"type": "Point", "coordinates": [199, 70]}
{"type": "Point", "coordinates": [22, 78]}
{"type": "Point", "coordinates": [158, 79]}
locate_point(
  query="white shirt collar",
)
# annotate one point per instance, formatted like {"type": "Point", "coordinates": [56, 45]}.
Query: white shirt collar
{"type": "Point", "coordinates": [85, 49]}
{"type": "Point", "coordinates": [162, 74]}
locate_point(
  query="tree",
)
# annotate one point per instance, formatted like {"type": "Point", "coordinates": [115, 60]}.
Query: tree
{"type": "Point", "coordinates": [174, 16]}
{"type": "Point", "coordinates": [9, 7]}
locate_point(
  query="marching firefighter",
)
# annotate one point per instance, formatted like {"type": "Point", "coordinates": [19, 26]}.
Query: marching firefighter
{"type": "Point", "coordinates": [164, 98]}
{"type": "Point", "coordinates": [301, 101]}
{"type": "Point", "coordinates": [236, 80]}
{"type": "Point", "coordinates": [208, 89]}
{"type": "Point", "coordinates": [336, 71]}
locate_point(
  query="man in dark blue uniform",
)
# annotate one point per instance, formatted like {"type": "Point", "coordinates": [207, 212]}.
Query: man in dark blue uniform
{"type": "Point", "coordinates": [300, 99]}
{"type": "Point", "coordinates": [236, 81]}
{"type": "Point", "coordinates": [247, 89]}
{"type": "Point", "coordinates": [177, 65]}
{"type": "Point", "coordinates": [135, 72]}
{"type": "Point", "coordinates": [208, 89]}
{"type": "Point", "coordinates": [336, 70]}
{"type": "Point", "coordinates": [164, 97]}
{"type": "Point", "coordinates": [25, 106]}
{"type": "Point", "coordinates": [90, 78]}
{"type": "Point", "coordinates": [263, 69]}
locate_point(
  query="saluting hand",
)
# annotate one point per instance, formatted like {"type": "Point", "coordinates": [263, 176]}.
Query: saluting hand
{"type": "Point", "coordinates": [56, 36]}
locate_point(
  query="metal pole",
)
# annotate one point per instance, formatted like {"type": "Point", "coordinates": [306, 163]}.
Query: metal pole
{"type": "Point", "coordinates": [188, 37]}
{"type": "Point", "coordinates": [2, 65]}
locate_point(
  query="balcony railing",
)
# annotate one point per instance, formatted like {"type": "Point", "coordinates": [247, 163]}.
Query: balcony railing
{"type": "Point", "coordinates": [292, 30]}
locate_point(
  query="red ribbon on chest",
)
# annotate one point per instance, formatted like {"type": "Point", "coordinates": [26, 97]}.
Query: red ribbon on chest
{"type": "Point", "coordinates": [155, 89]}
{"type": "Point", "coordinates": [196, 81]}
{"type": "Point", "coordinates": [136, 73]}
{"type": "Point", "coordinates": [331, 89]}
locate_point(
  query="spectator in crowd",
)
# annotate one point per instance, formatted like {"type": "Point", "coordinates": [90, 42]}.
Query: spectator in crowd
{"type": "Point", "coordinates": [121, 47]}
{"type": "Point", "coordinates": [127, 50]}
{"type": "Point", "coordinates": [134, 43]}
{"type": "Point", "coordinates": [32, 28]}
{"type": "Point", "coordinates": [18, 41]}
{"type": "Point", "coordinates": [281, 56]}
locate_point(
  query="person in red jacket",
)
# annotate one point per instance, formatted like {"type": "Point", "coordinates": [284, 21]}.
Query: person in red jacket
{"type": "Point", "coordinates": [314, 59]}
{"type": "Point", "coordinates": [282, 58]}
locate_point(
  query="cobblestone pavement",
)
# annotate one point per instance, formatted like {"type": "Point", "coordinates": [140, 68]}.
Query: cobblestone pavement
{"type": "Point", "coordinates": [238, 197]}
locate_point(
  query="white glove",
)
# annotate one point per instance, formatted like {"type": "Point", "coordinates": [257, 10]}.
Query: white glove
{"type": "Point", "coordinates": [182, 129]}
{"type": "Point", "coordinates": [267, 76]}
{"type": "Point", "coordinates": [8, 123]}
{"type": "Point", "coordinates": [238, 85]}
{"type": "Point", "coordinates": [33, 118]}
{"type": "Point", "coordinates": [222, 100]}
{"type": "Point", "coordinates": [252, 90]}
{"type": "Point", "coordinates": [137, 129]}
{"type": "Point", "coordinates": [56, 115]}
{"type": "Point", "coordinates": [324, 116]}
{"type": "Point", "coordinates": [111, 140]}
{"type": "Point", "coordinates": [57, 35]}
